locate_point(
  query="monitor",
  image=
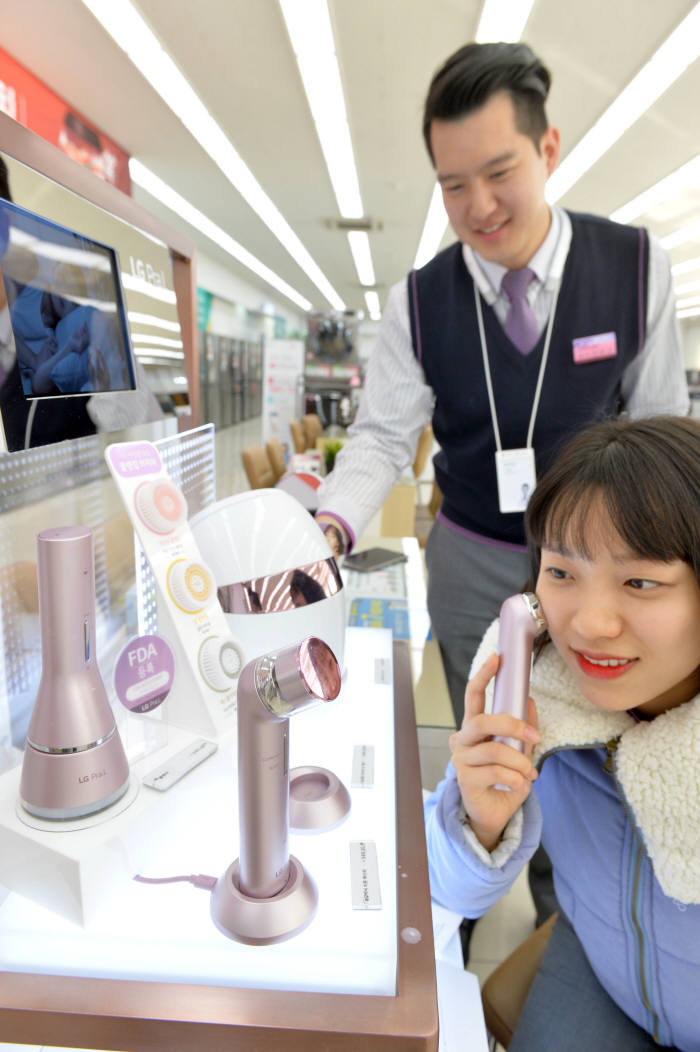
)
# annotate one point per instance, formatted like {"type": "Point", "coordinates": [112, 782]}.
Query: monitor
{"type": "Point", "coordinates": [63, 325]}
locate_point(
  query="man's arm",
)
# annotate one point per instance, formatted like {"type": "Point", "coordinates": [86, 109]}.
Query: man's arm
{"type": "Point", "coordinates": [396, 403]}
{"type": "Point", "coordinates": [655, 381]}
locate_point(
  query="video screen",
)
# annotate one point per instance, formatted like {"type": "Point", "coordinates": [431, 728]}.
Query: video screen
{"type": "Point", "coordinates": [66, 308]}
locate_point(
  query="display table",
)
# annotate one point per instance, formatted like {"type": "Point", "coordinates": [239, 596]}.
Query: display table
{"type": "Point", "coordinates": [152, 972]}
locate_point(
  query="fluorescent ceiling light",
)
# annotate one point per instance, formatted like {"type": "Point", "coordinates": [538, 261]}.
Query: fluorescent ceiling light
{"type": "Point", "coordinates": [503, 20]}
{"type": "Point", "coordinates": [691, 312]}
{"type": "Point", "coordinates": [665, 66]}
{"type": "Point", "coordinates": [690, 301]}
{"type": "Point", "coordinates": [687, 266]}
{"type": "Point", "coordinates": [689, 286]}
{"type": "Point", "coordinates": [680, 237]}
{"type": "Point", "coordinates": [155, 352]}
{"type": "Point", "coordinates": [311, 35]}
{"type": "Point", "coordinates": [372, 301]}
{"type": "Point", "coordinates": [145, 288]}
{"type": "Point", "coordinates": [171, 199]}
{"type": "Point", "coordinates": [130, 32]}
{"type": "Point", "coordinates": [434, 230]}
{"type": "Point", "coordinates": [686, 176]}
{"type": "Point", "coordinates": [138, 318]}
{"type": "Point", "coordinates": [160, 341]}
{"type": "Point", "coordinates": [359, 246]}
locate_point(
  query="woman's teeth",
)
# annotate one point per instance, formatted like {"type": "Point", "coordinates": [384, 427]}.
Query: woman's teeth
{"type": "Point", "coordinates": [607, 662]}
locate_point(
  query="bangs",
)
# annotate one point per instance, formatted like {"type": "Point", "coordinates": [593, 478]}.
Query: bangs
{"type": "Point", "coordinates": [642, 527]}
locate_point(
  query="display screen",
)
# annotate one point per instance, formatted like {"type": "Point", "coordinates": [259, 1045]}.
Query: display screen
{"type": "Point", "coordinates": [66, 308]}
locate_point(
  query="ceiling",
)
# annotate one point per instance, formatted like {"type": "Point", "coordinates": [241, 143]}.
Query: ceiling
{"type": "Point", "coordinates": [237, 56]}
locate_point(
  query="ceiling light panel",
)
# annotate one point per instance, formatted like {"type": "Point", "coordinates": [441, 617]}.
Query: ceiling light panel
{"type": "Point", "coordinates": [311, 34]}
{"type": "Point", "coordinates": [665, 66]}
{"type": "Point", "coordinates": [126, 27]}
{"type": "Point", "coordinates": [688, 175]}
{"type": "Point", "coordinates": [155, 186]}
{"type": "Point", "coordinates": [503, 20]}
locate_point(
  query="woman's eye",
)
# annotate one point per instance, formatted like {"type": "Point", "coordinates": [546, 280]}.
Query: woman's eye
{"type": "Point", "coordinates": [641, 583]}
{"type": "Point", "coordinates": [557, 573]}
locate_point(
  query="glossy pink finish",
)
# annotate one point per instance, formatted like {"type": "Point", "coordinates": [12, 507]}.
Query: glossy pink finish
{"type": "Point", "coordinates": [521, 620]}
{"type": "Point", "coordinates": [74, 760]}
{"type": "Point", "coordinates": [265, 896]}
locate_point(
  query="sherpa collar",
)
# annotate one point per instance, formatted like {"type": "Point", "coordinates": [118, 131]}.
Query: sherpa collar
{"type": "Point", "coordinates": [656, 764]}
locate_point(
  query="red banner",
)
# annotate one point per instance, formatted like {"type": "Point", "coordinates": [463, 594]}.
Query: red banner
{"type": "Point", "coordinates": [27, 99]}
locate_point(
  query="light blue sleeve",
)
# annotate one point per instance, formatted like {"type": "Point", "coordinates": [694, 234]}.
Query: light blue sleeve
{"type": "Point", "coordinates": [459, 879]}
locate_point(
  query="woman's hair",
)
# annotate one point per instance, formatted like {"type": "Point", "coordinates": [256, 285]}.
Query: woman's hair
{"type": "Point", "coordinates": [646, 476]}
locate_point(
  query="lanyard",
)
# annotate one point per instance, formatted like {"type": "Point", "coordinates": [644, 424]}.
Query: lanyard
{"type": "Point", "coordinates": [487, 370]}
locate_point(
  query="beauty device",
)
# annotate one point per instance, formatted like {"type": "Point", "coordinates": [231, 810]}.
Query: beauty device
{"type": "Point", "coordinates": [266, 896]}
{"type": "Point", "coordinates": [276, 577]}
{"type": "Point", "coordinates": [74, 761]}
{"type": "Point", "coordinates": [521, 620]}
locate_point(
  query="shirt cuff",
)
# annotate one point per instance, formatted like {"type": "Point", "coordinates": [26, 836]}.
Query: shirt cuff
{"type": "Point", "coordinates": [506, 847]}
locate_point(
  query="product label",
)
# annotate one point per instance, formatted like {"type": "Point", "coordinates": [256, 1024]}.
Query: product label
{"type": "Point", "coordinates": [143, 674]}
{"type": "Point", "coordinates": [364, 875]}
{"type": "Point", "coordinates": [363, 767]}
{"type": "Point", "coordinates": [131, 459]}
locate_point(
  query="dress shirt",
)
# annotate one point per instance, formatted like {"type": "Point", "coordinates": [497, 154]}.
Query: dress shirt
{"type": "Point", "coordinates": [397, 401]}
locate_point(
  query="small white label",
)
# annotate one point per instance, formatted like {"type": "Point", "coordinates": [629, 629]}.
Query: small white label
{"type": "Point", "coordinates": [364, 875]}
{"type": "Point", "coordinates": [363, 767]}
{"type": "Point", "coordinates": [515, 475]}
{"type": "Point", "coordinates": [179, 765]}
{"type": "Point", "coordinates": [382, 670]}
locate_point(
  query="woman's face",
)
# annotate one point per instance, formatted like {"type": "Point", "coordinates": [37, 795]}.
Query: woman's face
{"type": "Point", "coordinates": [628, 628]}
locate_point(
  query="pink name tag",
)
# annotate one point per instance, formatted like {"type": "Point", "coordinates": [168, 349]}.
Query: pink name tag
{"type": "Point", "coordinates": [595, 348]}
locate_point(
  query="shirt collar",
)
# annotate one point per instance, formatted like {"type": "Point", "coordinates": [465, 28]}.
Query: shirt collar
{"type": "Point", "coordinates": [547, 262]}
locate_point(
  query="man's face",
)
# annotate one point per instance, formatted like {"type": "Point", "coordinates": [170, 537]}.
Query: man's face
{"type": "Point", "coordinates": [493, 181]}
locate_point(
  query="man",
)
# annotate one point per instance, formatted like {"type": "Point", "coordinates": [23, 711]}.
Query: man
{"type": "Point", "coordinates": [583, 328]}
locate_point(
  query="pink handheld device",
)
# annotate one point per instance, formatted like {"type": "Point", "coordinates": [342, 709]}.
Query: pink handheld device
{"type": "Point", "coordinates": [265, 895]}
{"type": "Point", "coordinates": [74, 762]}
{"type": "Point", "coordinates": [521, 621]}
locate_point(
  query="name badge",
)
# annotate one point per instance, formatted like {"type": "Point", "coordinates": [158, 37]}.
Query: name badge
{"type": "Point", "coordinates": [515, 476]}
{"type": "Point", "coordinates": [595, 348]}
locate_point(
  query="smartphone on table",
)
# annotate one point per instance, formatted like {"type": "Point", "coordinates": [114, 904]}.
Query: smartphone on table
{"type": "Point", "coordinates": [373, 559]}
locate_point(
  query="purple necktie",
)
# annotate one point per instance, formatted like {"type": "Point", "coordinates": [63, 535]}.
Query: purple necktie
{"type": "Point", "coordinates": [521, 325]}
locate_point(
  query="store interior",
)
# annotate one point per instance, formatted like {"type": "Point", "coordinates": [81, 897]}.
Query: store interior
{"type": "Point", "coordinates": [239, 247]}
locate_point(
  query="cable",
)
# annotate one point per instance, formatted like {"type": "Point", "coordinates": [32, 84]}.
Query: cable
{"type": "Point", "coordinates": [200, 880]}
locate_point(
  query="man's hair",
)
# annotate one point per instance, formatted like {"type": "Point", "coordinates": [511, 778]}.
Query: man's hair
{"type": "Point", "coordinates": [473, 74]}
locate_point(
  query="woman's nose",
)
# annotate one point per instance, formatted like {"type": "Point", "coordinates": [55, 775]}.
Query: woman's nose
{"type": "Point", "coordinates": [597, 618]}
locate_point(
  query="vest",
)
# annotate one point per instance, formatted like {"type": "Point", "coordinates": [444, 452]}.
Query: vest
{"type": "Point", "coordinates": [603, 289]}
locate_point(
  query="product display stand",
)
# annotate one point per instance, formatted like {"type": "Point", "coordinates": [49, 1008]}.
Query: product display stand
{"type": "Point", "coordinates": [97, 1012]}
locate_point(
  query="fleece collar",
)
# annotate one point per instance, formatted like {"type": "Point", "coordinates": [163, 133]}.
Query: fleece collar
{"type": "Point", "coordinates": [656, 764]}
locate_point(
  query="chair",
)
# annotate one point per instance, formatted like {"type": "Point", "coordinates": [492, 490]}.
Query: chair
{"type": "Point", "coordinates": [505, 991]}
{"type": "Point", "coordinates": [425, 444]}
{"type": "Point", "coordinates": [258, 468]}
{"type": "Point", "coordinates": [298, 436]}
{"type": "Point", "coordinates": [276, 456]}
{"type": "Point", "coordinates": [313, 429]}
{"type": "Point", "coordinates": [425, 515]}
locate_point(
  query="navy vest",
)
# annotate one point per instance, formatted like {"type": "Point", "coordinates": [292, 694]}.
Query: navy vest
{"type": "Point", "coordinates": [603, 289]}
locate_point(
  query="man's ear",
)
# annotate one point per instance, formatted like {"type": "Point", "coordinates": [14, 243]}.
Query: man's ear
{"type": "Point", "coordinates": [549, 148]}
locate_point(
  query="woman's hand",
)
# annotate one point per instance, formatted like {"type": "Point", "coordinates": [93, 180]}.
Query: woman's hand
{"type": "Point", "coordinates": [482, 764]}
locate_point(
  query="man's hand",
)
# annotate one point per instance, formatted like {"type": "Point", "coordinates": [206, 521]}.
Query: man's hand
{"type": "Point", "coordinates": [334, 533]}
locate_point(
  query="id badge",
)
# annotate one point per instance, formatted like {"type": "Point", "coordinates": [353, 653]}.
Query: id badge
{"type": "Point", "coordinates": [515, 475]}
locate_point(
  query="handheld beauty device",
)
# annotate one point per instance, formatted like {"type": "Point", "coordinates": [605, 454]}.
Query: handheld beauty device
{"type": "Point", "coordinates": [521, 620]}
{"type": "Point", "coordinates": [265, 895]}
{"type": "Point", "coordinates": [74, 761]}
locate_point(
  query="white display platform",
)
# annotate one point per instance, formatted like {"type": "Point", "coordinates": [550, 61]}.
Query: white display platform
{"type": "Point", "coordinates": [164, 933]}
